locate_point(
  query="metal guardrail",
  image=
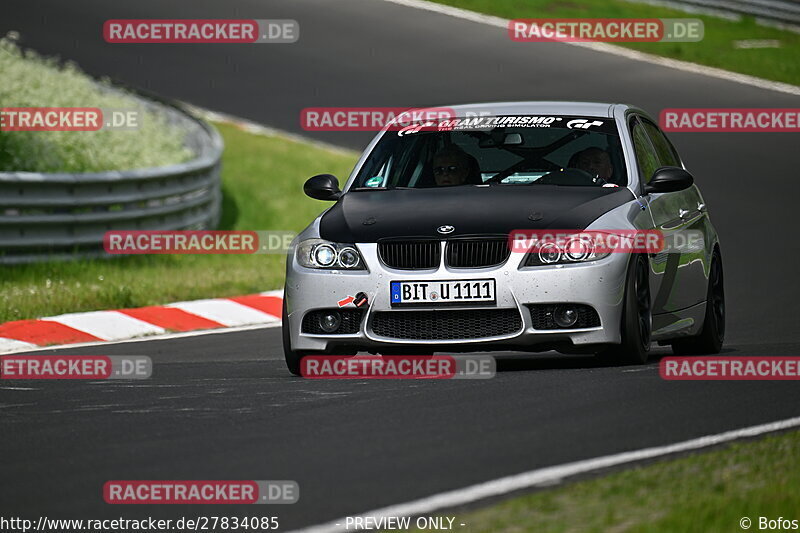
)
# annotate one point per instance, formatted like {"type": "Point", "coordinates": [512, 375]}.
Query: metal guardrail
{"type": "Point", "coordinates": [64, 216]}
{"type": "Point", "coordinates": [781, 11]}
{"type": "Point", "coordinates": [785, 11]}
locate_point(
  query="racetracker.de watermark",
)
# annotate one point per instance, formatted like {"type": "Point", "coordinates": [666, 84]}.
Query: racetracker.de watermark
{"type": "Point", "coordinates": [68, 119]}
{"type": "Point", "coordinates": [730, 368]}
{"type": "Point", "coordinates": [143, 31]}
{"type": "Point", "coordinates": [142, 524]}
{"type": "Point", "coordinates": [605, 241]}
{"type": "Point", "coordinates": [197, 242]}
{"type": "Point", "coordinates": [369, 118]}
{"type": "Point", "coordinates": [201, 492]}
{"type": "Point", "coordinates": [730, 119]}
{"type": "Point", "coordinates": [75, 367]}
{"type": "Point", "coordinates": [606, 30]}
{"type": "Point", "coordinates": [398, 367]}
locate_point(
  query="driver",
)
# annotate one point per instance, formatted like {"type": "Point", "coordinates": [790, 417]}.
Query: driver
{"type": "Point", "coordinates": [596, 162]}
{"type": "Point", "coordinates": [453, 166]}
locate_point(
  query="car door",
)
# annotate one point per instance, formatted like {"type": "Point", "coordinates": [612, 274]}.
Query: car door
{"type": "Point", "coordinates": [676, 214]}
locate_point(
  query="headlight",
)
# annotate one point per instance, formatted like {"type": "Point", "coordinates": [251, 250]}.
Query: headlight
{"type": "Point", "coordinates": [319, 253]}
{"type": "Point", "coordinates": [324, 255]}
{"type": "Point", "coordinates": [577, 249]}
{"type": "Point", "coordinates": [349, 257]}
{"type": "Point", "coordinates": [549, 253]}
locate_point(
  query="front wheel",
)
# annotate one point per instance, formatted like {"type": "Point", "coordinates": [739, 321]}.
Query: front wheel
{"type": "Point", "coordinates": [637, 318]}
{"type": "Point", "coordinates": [711, 337]}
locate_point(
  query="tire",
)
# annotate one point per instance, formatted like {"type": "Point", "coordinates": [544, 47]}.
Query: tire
{"type": "Point", "coordinates": [637, 319]}
{"type": "Point", "coordinates": [292, 358]}
{"type": "Point", "coordinates": [712, 336]}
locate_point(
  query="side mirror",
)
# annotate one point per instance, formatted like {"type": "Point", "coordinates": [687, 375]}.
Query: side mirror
{"type": "Point", "coordinates": [322, 187]}
{"type": "Point", "coordinates": [669, 179]}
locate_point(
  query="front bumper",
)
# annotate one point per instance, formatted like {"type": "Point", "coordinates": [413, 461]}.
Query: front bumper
{"type": "Point", "coordinates": [599, 284]}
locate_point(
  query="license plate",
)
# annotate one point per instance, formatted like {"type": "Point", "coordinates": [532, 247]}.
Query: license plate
{"type": "Point", "coordinates": [442, 292]}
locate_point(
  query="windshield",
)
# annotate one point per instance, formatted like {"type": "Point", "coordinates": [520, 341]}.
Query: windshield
{"type": "Point", "coordinates": [507, 150]}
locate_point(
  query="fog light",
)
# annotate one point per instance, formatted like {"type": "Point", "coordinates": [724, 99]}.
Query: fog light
{"type": "Point", "coordinates": [330, 322]}
{"type": "Point", "coordinates": [565, 317]}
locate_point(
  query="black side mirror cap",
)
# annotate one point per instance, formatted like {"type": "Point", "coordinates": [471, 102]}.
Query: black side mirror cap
{"type": "Point", "coordinates": [669, 179]}
{"type": "Point", "coordinates": [322, 187]}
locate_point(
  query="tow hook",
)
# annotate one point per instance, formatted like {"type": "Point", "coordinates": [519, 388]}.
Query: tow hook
{"type": "Point", "coordinates": [360, 300]}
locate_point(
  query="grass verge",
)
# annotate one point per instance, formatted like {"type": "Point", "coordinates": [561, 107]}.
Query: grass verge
{"type": "Point", "coordinates": [705, 493]}
{"type": "Point", "coordinates": [30, 80]}
{"type": "Point", "coordinates": [717, 49]}
{"type": "Point", "coordinates": [262, 185]}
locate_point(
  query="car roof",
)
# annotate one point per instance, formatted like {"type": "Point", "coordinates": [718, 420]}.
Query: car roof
{"type": "Point", "coordinates": [587, 109]}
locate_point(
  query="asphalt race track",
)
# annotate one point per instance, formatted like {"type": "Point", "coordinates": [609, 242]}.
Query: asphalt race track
{"type": "Point", "coordinates": [222, 406]}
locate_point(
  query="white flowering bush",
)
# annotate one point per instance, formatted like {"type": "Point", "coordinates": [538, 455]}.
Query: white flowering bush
{"type": "Point", "coordinates": [30, 80]}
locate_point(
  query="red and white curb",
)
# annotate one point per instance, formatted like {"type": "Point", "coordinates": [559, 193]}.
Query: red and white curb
{"type": "Point", "coordinates": [121, 324]}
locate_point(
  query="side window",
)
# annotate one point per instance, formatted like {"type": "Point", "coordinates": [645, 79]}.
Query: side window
{"type": "Point", "coordinates": [645, 156]}
{"type": "Point", "coordinates": [667, 155]}
{"type": "Point", "coordinates": [386, 168]}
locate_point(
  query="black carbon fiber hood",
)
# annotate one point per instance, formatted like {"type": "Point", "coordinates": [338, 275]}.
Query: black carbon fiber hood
{"type": "Point", "coordinates": [370, 216]}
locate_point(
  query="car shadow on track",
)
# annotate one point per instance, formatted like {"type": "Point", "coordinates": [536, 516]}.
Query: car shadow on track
{"type": "Point", "coordinates": [544, 361]}
{"type": "Point", "coordinates": [516, 362]}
